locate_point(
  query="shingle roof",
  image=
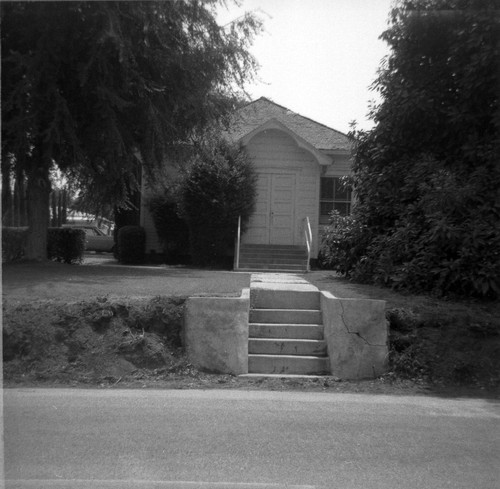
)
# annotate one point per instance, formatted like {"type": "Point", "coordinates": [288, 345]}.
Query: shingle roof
{"type": "Point", "coordinates": [258, 112]}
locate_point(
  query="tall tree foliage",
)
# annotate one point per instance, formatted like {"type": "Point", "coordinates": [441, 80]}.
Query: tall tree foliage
{"type": "Point", "coordinates": [100, 88]}
{"type": "Point", "coordinates": [427, 177]}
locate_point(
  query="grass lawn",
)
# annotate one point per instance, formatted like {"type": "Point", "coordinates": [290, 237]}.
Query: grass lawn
{"type": "Point", "coordinates": [57, 281]}
{"type": "Point", "coordinates": [419, 304]}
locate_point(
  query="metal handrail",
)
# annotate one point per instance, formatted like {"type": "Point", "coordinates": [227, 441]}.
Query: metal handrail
{"type": "Point", "coordinates": [238, 243]}
{"type": "Point", "coordinates": [309, 241]}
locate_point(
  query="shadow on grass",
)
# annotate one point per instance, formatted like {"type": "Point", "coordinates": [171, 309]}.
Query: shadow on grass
{"type": "Point", "coordinates": [59, 281]}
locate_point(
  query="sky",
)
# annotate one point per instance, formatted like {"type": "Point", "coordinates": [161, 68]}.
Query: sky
{"type": "Point", "coordinates": [318, 57]}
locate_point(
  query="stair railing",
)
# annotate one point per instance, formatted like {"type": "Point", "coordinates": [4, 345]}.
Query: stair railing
{"type": "Point", "coordinates": [309, 240]}
{"type": "Point", "coordinates": [238, 243]}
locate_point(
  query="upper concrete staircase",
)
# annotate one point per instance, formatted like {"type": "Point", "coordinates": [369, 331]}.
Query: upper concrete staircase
{"type": "Point", "coordinates": [273, 258]}
{"type": "Point", "coordinates": [286, 332]}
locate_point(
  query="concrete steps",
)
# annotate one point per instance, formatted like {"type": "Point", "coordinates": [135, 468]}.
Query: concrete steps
{"type": "Point", "coordinates": [287, 364]}
{"type": "Point", "coordinates": [286, 333]}
{"type": "Point", "coordinates": [297, 331]}
{"type": "Point", "coordinates": [285, 316]}
{"type": "Point", "coordinates": [287, 346]}
{"type": "Point", "coordinates": [276, 258]}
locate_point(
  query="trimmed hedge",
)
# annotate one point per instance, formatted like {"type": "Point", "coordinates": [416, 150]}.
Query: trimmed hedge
{"type": "Point", "coordinates": [66, 245]}
{"type": "Point", "coordinates": [13, 243]}
{"type": "Point", "coordinates": [131, 245]}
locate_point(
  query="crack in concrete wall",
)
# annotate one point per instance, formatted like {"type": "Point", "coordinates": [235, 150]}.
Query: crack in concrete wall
{"type": "Point", "coordinates": [356, 333]}
{"type": "Point", "coordinates": [346, 320]}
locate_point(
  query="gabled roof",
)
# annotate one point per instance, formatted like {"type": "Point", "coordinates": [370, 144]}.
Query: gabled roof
{"type": "Point", "coordinates": [253, 115]}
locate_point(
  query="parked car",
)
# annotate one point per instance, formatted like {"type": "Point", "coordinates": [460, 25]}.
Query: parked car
{"type": "Point", "coordinates": [96, 240]}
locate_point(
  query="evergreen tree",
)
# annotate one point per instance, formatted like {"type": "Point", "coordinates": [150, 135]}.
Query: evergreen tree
{"type": "Point", "coordinates": [102, 88]}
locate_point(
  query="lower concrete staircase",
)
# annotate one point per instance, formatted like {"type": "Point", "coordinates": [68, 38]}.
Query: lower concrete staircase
{"type": "Point", "coordinates": [273, 258]}
{"type": "Point", "coordinates": [286, 333]}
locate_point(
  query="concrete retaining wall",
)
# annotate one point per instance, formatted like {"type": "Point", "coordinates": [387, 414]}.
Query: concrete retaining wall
{"type": "Point", "coordinates": [356, 333]}
{"type": "Point", "coordinates": [216, 333]}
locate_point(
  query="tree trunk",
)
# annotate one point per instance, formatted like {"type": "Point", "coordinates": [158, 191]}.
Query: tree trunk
{"type": "Point", "coordinates": [21, 211]}
{"type": "Point", "coordinates": [7, 211]}
{"type": "Point", "coordinates": [16, 204]}
{"type": "Point", "coordinates": [53, 208]}
{"type": "Point", "coordinates": [38, 212]}
{"type": "Point", "coordinates": [64, 206]}
{"type": "Point", "coordinates": [59, 207]}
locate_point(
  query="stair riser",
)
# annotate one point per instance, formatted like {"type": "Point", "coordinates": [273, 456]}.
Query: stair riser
{"type": "Point", "coordinates": [276, 254]}
{"type": "Point", "coordinates": [261, 364]}
{"type": "Point", "coordinates": [272, 248]}
{"type": "Point", "coordinates": [285, 316]}
{"type": "Point", "coordinates": [309, 332]}
{"type": "Point", "coordinates": [273, 266]}
{"type": "Point", "coordinates": [269, 270]}
{"type": "Point", "coordinates": [284, 299]}
{"type": "Point", "coordinates": [272, 261]}
{"type": "Point", "coordinates": [287, 347]}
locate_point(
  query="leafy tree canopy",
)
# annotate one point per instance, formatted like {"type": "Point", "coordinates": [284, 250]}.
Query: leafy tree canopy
{"type": "Point", "coordinates": [427, 177]}
{"type": "Point", "coordinates": [100, 88]}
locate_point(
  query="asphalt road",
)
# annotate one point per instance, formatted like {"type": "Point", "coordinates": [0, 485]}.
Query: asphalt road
{"type": "Point", "coordinates": [70, 438]}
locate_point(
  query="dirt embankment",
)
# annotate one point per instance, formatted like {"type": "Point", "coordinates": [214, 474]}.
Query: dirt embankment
{"type": "Point", "coordinates": [92, 341]}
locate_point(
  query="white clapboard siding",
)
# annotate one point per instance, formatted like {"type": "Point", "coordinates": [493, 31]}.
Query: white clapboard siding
{"type": "Point", "coordinates": [342, 165]}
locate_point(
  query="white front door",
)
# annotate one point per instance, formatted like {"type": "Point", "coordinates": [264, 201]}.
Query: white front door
{"type": "Point", "coordinates": [282, 199]}
{"type": "Point", "coordinates": [273, 217]}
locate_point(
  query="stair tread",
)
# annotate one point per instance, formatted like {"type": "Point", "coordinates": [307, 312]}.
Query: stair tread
{"type": "Point", "coordinates": [284, 376]}
{"type": "Point", "coordinates": [311, 340]}
{"type": "Point", "coordinates": [290, 309]}
{"type": "Point", "coordinates": [286, 324]}
{"type": "Point", "coordinates": [276, 355]}
{"type": "Point", "coordinates": [273, 270]}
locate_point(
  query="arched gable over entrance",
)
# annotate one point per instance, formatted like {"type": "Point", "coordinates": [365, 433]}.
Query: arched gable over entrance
{"type": "Point", "coordinates": [288, 170]}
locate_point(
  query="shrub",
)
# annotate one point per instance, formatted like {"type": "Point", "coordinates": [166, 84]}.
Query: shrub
{"type": "Point", "coordinates": [426, 177]}
{"type": "Point", "coordinates": [172, 230]}
{"type": "Point", "coordinates": [131, 244]}
{"type": "Point", "coordinates": [342, 243]}
{"type": "Point", "coordinates": [13, 243]}
{"type": "Point", "coordinates": [65, 245]}
{"type": "Point", "coordinates": [219, 187]}
{"type": "Point", "coordinates": [446, 239]}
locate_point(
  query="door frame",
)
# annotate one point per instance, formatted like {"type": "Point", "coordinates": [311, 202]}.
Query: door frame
{"type": "Point", "coordinates": [292, 171]}
{"type": "Point", "coordinates": [293, 205]}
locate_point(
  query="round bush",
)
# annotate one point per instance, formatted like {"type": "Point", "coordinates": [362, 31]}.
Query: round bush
{"type": "Point", "coordinates": [131, 245]}
{"type": "Point", "coordinates": [66, 245]}
{"type": "Point", "coordinates": [219, 187]}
